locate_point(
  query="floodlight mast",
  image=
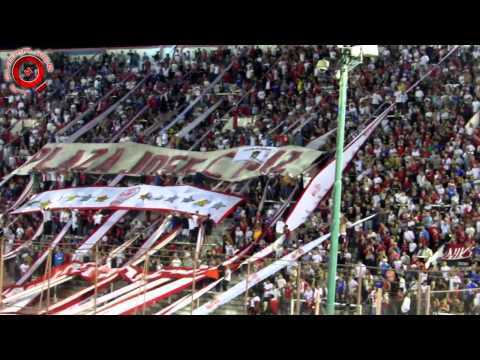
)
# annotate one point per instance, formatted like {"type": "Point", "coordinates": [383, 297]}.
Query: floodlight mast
{"type": "Point", "coordinates": [349, 59]}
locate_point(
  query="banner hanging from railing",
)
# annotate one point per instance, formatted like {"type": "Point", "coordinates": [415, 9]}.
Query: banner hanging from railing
{"type": "Point", "coordinates": [184, 199]}
{"type": "Point", "coordinates": [262, 274]}
{"type": "Point", "coordinates": [139, 159]}
{"type": "Point", "coordinates": [97, 235]}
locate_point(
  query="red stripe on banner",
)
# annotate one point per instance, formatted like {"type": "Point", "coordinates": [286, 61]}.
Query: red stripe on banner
{"type": "Point", "coordinates": [133, 294]}
{"type": "Point", "coordinates": [101, 230]}
{"type": "Point", "coordinates": [23, 196]}
{"type": "Point", "coordinates": [42, 258]}
{"type": "Point", "coordinates": [80, 296]}
{"type": "Point", "coordinates": [161, 297]}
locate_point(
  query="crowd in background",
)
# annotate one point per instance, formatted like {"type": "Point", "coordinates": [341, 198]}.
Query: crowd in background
{"type": "Point", "coordinates": [418, 172]}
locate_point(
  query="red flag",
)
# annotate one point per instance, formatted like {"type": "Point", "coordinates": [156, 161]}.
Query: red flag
{"type": "Point", "coordinates": [213, 274]}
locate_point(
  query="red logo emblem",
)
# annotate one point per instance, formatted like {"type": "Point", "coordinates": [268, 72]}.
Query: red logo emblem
{"type": "Point", "coordinates": [27, 69]}
{"type": "Point", "coordinates": [125, 195]}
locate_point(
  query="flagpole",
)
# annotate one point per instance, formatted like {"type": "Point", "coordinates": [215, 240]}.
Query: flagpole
{"type": "Point", "coordinates": [337, 195]}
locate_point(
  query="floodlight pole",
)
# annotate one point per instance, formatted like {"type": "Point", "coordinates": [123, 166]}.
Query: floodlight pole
{"type": "Point", "coordinates": [337, 190]}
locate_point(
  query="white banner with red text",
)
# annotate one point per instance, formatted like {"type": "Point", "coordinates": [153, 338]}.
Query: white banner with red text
{"type": "Point", "coordinates": [139, 159]}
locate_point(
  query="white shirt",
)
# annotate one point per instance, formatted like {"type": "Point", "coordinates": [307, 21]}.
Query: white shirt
{"type": "Point", "coordinates": [412, 246]}
{"type": "Point", "coordinates": [228, 275]}
{"type": "Point", "coordinates": [352, 286]}
{"type": "Point", "coordinates": [20, 232]}
{"type": "Point", "coordinates": [281, 283]}
{"type": "Point", "coordinates": [424, 60]}
{"type": "Point", "coordinates": [267, 287]}
{"type": "Point", "coordinates": [64, 216]}
{"type": "Point", "coordinates": [317, 258]}
{"type": "Point", "coordinates": [47, 215]}
{"type": "Point", "coordinates": [419, 94]}
{"type": "Point", "coordinates": [476, 300]}
{"type": "Point", "coordinates": [454, 282]}
{"type": "Point", "coordinates": [24, 268]}
{"type": "Point", "coordinates": [193, 222]}
{"type": "Point", "coordinates": [75, 217]}
{"type": "Point", "coordinates": [176, 262]}
{"type": "Point", "coordinates": [376, 99]}
{"type": "Point", "coordinates": [229, 250]}
{"type": "Point", "coordinates": [445, 269]}
{"type": "Point", "coordinates": [399, 97]}
{"type": "Point", "coordinates": [238, 235]}
{"type": "Point", "coordinates": [254, 300]}
{"type": "Point", "coordinates": [360, 270]}
{"type": "Point", "coordinates": [476, 106]}
{"type": "Point", "coordinates": [97, 218]}
{"type": "Point", "coordinates": [406, 305]}
{"type": "Point", "coordinates": [409, 236]}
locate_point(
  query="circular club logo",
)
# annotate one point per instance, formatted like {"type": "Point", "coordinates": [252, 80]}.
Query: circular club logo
{"type": "Point", "coordinates": [27, 69]}
{"type": "Point", "coordinates": [125, 195]}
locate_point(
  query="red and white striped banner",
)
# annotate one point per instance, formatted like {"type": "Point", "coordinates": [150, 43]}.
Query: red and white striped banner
{"type": "Point", "coordinates": [97, 235]}
{"type": "Point", "coordinates": [152, 239]}
{"type": "Point", "coordinates": [23, 196]}
{"type": "Point", "coordinates": [164, 241]}
{"type": "Point", "coordinates": [148, 298]}
{"type": "Point", "coordinates": [80, 295]}
{"type": "Point", "coordinates": [25, 245]}
{"type": "Point", "coordinates": [187, 300]}
{"type": "Point", "coordinates": [44, 255]}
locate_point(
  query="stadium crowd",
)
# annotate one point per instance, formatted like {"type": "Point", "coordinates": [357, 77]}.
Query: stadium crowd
{"type": "Point", "coordinates": [418, 172]}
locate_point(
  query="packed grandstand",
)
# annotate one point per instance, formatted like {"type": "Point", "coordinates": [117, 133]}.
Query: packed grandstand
{"type": "Point", "coordinates": [198, 180]}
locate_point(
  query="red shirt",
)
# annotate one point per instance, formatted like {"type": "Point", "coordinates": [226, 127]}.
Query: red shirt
{"type": "Point", "coordinates": [274, 305]}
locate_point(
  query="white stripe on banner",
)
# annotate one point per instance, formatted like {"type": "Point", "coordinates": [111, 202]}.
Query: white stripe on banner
{"type": "Point", "coordinates": [262, 274]}
{"type": "Point", "coordinates": [186, 300]}
{"type": "Point", "coordinates": [36, 290]}
{"type": "Point", "coordinates": [97, 235]}
{"type": "Point", "coordinates": [129, 306]}
{"type": "Point", "coordinates": [77, 297]}
{"type": "Point", "coordinates": [433, 259]}
{"type": "Point", "coordinates": [23, 196]}
{"type": "Point", "coordinates": [43, 257]}
{"type": "Point", "coordinates": [186, 130]}
{"type": "Point", "coordinates": [153, 238]}
{"type": "Point", "coordinates": [87, 306]}
{"type": "Point", "coordinates": [170, 237]}
{"type": "Point", "coordinates": [133, 294]}
{"type": "Point", "coordinates": [6, 178]}
{"type": "Point", "coordinates": [15, 308]}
